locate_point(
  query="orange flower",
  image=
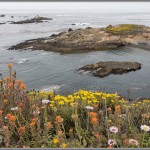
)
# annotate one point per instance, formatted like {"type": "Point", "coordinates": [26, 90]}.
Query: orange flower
{"type": "Point", "coordinates": [108, 109]}
{"type": "Point", "coordinates": [60, 120]}
{"type": "Point", "coordinates": [97, 135]}
{"type": "Point", "coordinates": [34, 120]}
{"type": "Point", "coordinates": [8, 116]}
{"type": "Point", "coordinates": [12, 118]}
{"type": "Point", "coordinates": [126, 142]}
{"type": "Point", "coordinates": [94, 121]}
{"type": "Point", "coordinates": [22, 86]}
{"type": "Point", "coordinates": [21, 105]}
{"type": "Point", "coordinates": [49, 125]}
{"type": "Point", "coordinates": [32, 124]}
{"type": "Point", "coordinates": [95, 105]}
{"type": "Point", "coordinates": [57, 118]}
{"type": "Point", "coordinates": [21, 129]}
{"type": "Point", "coordinates": [10, 85]}
{"type": "Point", "coordinates": [5, 128]}
{"type": "Point", "coordinates": [5, 101]}
{"type": "Point", "coordinates": [93, 114]}
{"type": "Point", "coordinates": [109, 147]}
{"type": "Point", "coordinates": [1, 112]}
{"type": "Point", "coordinates": [9, 66]}
{"type": "Point", "coordinates": [117, 109]}
{"type": "Point", "coordinates": [60, 132]}
{"type": "Point", "coordinates": [19, 82]}
{"type": "Point", "coordinates": [7, 79]}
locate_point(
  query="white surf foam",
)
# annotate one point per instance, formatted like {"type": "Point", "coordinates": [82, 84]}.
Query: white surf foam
{"type": "Point", "coordinates": [82, 24]}
{"type": "Point", "coordinates": [51, 88]}
{"type": "Point", "coordinates": [23, 60]}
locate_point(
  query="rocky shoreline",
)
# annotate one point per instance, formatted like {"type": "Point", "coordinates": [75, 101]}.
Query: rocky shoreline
{"type": "Point", "coordinates": [90, 39]}
{"type": "Point", "coordinates": [103, 69]}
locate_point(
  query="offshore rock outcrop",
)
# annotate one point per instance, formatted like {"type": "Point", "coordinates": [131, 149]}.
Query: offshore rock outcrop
{"type": "Point", "coordinates": [2, 23]}
{"type": "Point", "coordinates": [2, 15]}
{"type": "Point", "coordinates": [90, 39]}
{"type": "Point", "coordinates": [102, 69]}
{"type": "Point", "coordinates": [36, 19]}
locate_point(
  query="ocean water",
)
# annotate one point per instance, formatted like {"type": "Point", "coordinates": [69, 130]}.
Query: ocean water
{"type": "Point", "coordinates": [49, 70]}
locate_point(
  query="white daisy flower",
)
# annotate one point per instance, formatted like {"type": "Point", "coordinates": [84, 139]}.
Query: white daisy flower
{"type": "Point", "coordinates": [14, 108]}
{"type": "Point", "coordinates": [113, 129]}
{"type": "Point", "coordinates": [45, 101]}
{"type": "Point", "coordinates": [89, 107]}
{"type": "Point", "coordinates": [36, 112]}
{"type": "Point", "coordinates": [145, 128]}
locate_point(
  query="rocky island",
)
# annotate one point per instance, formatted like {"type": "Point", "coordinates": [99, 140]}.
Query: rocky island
{"type": "Point", "coordinates": [2, 15]}
{"type": "Point", "coordinates": [36, 19]}
{"type": "Point", "coordinates": [2, 23]}
{"type": "Point", "coordinates": [102, 69]}
{"type": "Point", "coordinates": [91, 39]}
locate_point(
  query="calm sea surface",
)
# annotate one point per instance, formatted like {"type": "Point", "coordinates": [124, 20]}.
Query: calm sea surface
{"type": "Point", "coordinates": [49, 70]}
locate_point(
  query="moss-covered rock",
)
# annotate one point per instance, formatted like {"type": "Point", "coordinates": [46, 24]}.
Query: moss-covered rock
{"type": "Point", "coordinates": [123, 29]}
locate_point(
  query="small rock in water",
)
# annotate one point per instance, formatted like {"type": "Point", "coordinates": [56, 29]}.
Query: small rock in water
{"type": "Point", "coordinates": [88, 28]}
{"type": "Point", "coordinates": [102, 69]}
{"type": "Point", "coordinates": [69, 30]}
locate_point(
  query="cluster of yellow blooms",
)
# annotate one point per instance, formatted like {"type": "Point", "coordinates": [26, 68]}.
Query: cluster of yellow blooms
{"type": "Point", "coordinates": [141, 103]}
{"type": "Point", "coordinates": [82, 96]}
{"type": "Point", "coordinates": [41, 94]}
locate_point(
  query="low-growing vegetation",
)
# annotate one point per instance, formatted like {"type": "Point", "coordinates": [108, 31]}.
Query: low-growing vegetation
{"type": "Point", "coordinates": [124, 29]}
{"type": "Point", "coordinates": [84, 119]}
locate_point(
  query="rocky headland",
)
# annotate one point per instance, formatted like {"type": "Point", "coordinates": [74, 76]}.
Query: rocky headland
{"type": "Point", "coordinates": [102, 69]}
{"type": "Point", "coordinates": [91, 39]}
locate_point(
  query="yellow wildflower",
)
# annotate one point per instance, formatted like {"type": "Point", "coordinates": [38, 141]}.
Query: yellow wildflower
{"type": "Point", "coordinates": [64, 145]}
{"type": "Point", "coordinates": [61, 102]}
{"type": "Point", "coordinates": [55, 141]}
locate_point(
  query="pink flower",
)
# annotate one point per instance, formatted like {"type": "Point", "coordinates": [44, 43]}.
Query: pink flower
{"type": "Point", "coordinates": [108, 109]}
{"type": "Point", "coordinates": [111, 142]}
{"type": "Point", "coordinates": [113, 129]}
{"type": "Point", "coordinates": [133, 142]}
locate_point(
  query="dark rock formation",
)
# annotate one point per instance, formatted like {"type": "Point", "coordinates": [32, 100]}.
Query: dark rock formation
{"type": "Point", "coordinates": [2, 23]}
{"type": "Point", "coordinates": [102, 69]}
{"type": "Point", "coordinates": [36, 19]}
{"type": "Point", "coordinates": [90, 39]}
{"type": "Point", "coordinates": [70, 30]}
{"type": "Point", "coordinates": [2, 15]}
